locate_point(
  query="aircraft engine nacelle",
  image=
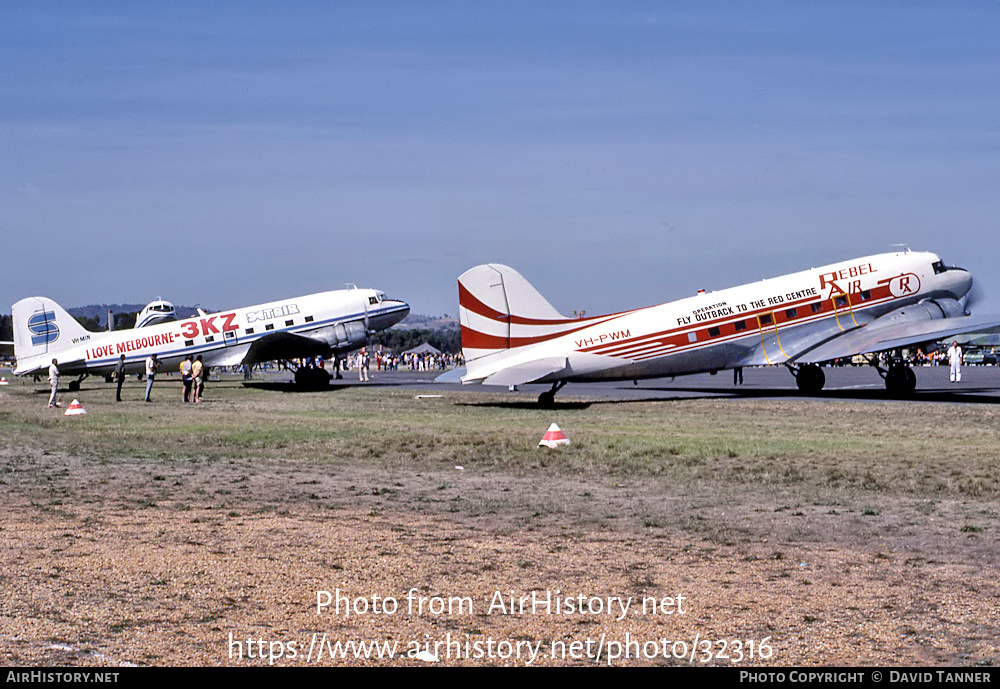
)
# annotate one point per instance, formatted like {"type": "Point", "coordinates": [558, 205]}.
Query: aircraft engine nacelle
{"type": "Point", "coordinates": [926, 310]}
{"type": "Point", "coordinates": [350, 335]}
{"type": "Point", "coordinates": [342, 337]}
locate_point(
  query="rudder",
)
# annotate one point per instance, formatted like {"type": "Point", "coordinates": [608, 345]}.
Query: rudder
{"type": "Point", "coordinates": [500, 310]}
{"type": "Point", "coordinates": [42, 329]}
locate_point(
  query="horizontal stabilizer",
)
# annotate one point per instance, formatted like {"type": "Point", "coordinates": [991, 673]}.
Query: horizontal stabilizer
{"type": "Point", "coordinates": [455, 375]}
{"type": "Point", "coordinates": [527, 372]}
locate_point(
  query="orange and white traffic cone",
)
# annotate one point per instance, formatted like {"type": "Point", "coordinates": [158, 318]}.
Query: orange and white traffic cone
{"type": "Point", "coordinates": [554, 437]}
{"type": "Point", "coordinates": [75, 408]}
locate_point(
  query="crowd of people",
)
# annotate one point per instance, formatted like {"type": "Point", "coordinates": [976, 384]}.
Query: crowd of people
{"type": "Point", "coordinates": [417, 361]}
{"type": "Point", "coordinates": [194, 372]}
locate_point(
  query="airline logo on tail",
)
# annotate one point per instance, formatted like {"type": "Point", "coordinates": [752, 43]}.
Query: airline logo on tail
{"type": "Point", "coordinates": [43, 328]}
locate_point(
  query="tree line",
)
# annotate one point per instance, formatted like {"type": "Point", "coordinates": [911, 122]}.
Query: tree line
{"type": "Point", "coordinates": [401, 340]}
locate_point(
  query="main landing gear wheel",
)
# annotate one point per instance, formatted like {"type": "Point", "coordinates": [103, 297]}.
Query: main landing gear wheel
{"type": "Point", "coordinates": [307, 378]}
{"type": "Point", "coordinates": [810, 379]}
{"type": "Point", "coordinates": [900, 380]}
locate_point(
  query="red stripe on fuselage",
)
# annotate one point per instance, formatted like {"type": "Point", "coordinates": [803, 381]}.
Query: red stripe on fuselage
{"type": "Point", "coordinates": [677, 337]}
{"type": "Point", "coordinates": [479, 340]}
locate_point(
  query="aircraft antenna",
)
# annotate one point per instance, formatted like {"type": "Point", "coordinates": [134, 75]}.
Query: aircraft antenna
{"type": "Point", "coordinates": [906, 247]}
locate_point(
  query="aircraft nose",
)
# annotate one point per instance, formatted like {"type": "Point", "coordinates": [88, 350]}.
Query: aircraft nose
{"type": "Point", "coordinates": [959, 282]}
{"type": "Point", "coordinates": [390, 312]}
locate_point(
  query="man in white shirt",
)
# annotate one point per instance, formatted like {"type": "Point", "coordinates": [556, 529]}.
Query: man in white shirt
{"type": "Point", "coordinates": [151, 365]}
{"type": "Point", "coordinates": [955, 359]}
{"type": "Point", "coordinates": [54, 383]}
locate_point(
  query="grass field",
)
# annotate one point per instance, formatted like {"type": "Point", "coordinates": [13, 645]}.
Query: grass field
{"type": "Point", "coordinates": [886, 449]}
{"type": "Point", "coordinates": [914, 484]}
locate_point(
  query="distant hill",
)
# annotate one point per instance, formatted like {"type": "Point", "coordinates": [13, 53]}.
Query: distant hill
{"type": "Point", "coordinates": [100, 311]}
{"type": "Point", "coordinates": [417, 321]}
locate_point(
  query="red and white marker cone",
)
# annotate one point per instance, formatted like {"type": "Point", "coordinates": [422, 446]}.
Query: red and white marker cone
{"type": "Point", "coordinates": [3, 381]}
{"type": "Point", "coordinates": [75, 408]}
{"type": "Point", "coordinates": [554, 437]}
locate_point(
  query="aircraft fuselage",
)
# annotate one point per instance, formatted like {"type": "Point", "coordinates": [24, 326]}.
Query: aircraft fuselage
{"type": "Point", "coordinates": [773, 321]}
{"type": "Point", "coordinates": [341, 319]}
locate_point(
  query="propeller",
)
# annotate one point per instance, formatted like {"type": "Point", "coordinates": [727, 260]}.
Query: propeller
{"type": "Point", "coordinates": [971, 298]}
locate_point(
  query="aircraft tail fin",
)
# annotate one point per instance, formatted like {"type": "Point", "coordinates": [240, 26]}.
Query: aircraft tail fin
{"type": "Point", "coordinates": [500, 310]}
{"type": "Point", "coordinates": [42, 329]}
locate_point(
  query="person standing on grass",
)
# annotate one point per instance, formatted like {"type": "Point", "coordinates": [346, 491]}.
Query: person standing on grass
{"type": "Point", "coordinates": [198, 373]}
{"type": "Point", "coordinates": [120, 377]}
{"type": "Point", "coordinates": [186, 378]}
{"type": "Point", "coordinates": [54, 383]}
{"type": "Point", "coordinates": [152, 363]}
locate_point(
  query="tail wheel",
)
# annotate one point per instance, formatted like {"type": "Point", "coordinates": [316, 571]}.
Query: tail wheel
{"type": "Point", "coordinates": [548, 398]}
{"type": "Point", "coordinates": [810, 379]}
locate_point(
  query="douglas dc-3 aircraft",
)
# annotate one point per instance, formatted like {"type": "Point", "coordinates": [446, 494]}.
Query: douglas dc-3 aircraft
{"type": "Point", "coordinates": [324, 324]}
{"type": "Point", "coordinates": [512, 335]}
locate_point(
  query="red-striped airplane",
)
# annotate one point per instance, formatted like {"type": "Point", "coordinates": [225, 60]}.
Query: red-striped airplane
{"type": "Point", "coordinates": [512, 335]}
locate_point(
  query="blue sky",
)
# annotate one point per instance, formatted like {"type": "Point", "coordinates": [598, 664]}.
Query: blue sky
{"type": "Point", "coordinates": [616, 154]}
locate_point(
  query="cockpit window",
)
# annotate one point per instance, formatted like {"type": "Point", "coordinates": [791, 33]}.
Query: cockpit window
{"type": "Point", "coordinates": [940, 267]}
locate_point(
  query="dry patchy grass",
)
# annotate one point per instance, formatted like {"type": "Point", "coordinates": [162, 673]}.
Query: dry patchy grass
{"type": "Point", "coordinates": [860, 490]}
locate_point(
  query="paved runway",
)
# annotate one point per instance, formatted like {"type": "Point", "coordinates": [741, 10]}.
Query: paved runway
{"type": "Point", "coordinates": [979, 384]}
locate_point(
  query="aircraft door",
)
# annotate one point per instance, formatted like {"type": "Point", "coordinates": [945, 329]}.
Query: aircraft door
{"type": "Point", "coordinates": [841, 304]}
{"type": "Point", "coordinates": [770, 339]}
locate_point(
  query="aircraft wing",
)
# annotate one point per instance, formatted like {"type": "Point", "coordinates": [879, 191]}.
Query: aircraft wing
{"type": "Point", "coordinates": [878, 338]}
{"type": "Point", "coordinates": [284, 345]}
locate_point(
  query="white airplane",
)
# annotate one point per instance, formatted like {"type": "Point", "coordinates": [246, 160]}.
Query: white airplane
{"type": "Point", "coordinates": [512, 335]}
{"type": "Point", "coordinates": [324, 324]}
{"type": "Point", "coordinates": [156, 312]}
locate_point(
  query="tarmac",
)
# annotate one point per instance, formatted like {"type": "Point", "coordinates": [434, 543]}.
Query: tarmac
{"type": "Point", "coordinates": [979, 384]}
